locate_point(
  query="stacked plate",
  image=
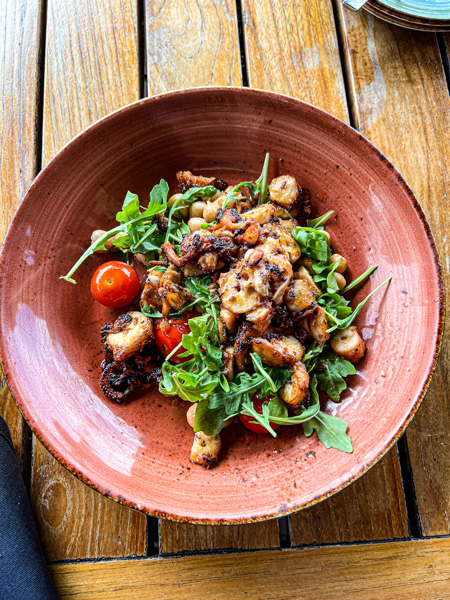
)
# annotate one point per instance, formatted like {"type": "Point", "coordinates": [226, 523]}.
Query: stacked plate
{"type": "Point", "coordinates": [423, 15]}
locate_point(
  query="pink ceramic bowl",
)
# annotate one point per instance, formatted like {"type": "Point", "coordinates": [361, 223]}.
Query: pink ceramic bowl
{"type": "Point", "coordinates": [138, 453]}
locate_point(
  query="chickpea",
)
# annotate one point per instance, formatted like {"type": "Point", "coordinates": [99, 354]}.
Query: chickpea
{"type": "Point", "coordinates": [348, 344]}
{"type": "Point", "coordinates": [328, 236]}
{"type": "Point", "coordinates": [184, 212]}
{"type": "Point", "coordinates": [195, 223]}
{"type": "Point", "coordinates": [171, 201]}
{"type": "Point", "coordinates": [340, 280]}
{"type": "Point", "coordinates": [190, 415]}
{"type": "Point", "coordinates": [337, 258]}
{"type": "Point", "coordinates": [141, 258]}
{"type": "Point", "coordinates": [196, 209]}
{"type": "Point", "coordinates": [211, 211]}
{"type": "Point", "coordinates": [97, 234]}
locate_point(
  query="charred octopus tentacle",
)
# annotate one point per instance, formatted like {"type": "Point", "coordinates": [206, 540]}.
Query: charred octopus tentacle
{"type": "Point", "coordinates": [126, 368]}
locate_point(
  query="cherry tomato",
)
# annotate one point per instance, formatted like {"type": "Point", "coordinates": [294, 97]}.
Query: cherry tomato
{"type": "Point", "coordinates": [115, 284]}
{"type": "Point", "coordinates": [257, 405]}
{"type": "Point", "coordinates": [169, 333]}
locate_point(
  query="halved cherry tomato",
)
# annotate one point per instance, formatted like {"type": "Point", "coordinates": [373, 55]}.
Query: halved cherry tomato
{"type": "Point", "coordinates": [115, 284]}
{"type": "Point", "coordinates": [169, 333]}
{"type": "Point", "coordinates": [257, 405]}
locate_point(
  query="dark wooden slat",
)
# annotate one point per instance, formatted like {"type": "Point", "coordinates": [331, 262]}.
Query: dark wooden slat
{"type": "Point", "coordinates": [179, 537]}
{"type": "Point", "coordinates": [401, 103]}
{"type": "Point", "coordinates": [394, 571]}
{"type": "Point", "coordinates": [91, 69]}
{"type": "Point", "coordinates": [21, 27]}
{"type": "Point", "coordinates": [293, 49]}
{"type": "Point", "coordinates": [358, 513]}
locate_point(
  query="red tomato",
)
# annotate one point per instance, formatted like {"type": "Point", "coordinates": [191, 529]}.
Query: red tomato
{"type": "Point", "coordinates": [169, 333]}
{"type": "Point", "coordinates": [257, 405]}
{"type": "Point", "coordinates": [115, 284]}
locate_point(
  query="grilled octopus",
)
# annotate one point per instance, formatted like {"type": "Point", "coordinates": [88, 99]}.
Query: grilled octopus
{"type": "Point", "coordinates": [128, 367]}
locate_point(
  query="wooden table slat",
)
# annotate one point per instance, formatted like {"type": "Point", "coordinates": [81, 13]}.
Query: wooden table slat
{"type": "Point", "coordinates": [181, 537]}
{"type": "Point", "coordinates": [91, 69]}
{"type": "Point", "coordinates": [21, 24]}
{"type": "Point", "coordinates": [402, 105]}
{"type": "Point", "coordinates": [394, 571]}
{"type": "Point", "coordinates": [191, 44]}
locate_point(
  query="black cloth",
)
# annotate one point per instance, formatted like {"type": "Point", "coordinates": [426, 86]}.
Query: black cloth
{"type": "Point", "coordinates": [23, 571]}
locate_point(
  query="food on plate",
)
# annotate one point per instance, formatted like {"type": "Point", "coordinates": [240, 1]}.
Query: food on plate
{"type": "Point", "coordinates": [242, 313]}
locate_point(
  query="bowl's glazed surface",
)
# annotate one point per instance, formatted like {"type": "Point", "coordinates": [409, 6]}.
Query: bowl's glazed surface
{"type": "Point", "coordinates": [138, 452]}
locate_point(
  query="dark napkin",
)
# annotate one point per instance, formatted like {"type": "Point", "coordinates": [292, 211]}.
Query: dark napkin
{"type": "Point", "coordinates": [23, 571]}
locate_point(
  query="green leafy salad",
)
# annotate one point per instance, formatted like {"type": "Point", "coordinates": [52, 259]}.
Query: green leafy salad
{"type": "Point", "coordinates": [245, 310]}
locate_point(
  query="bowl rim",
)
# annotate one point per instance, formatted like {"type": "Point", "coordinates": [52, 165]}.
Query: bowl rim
{"type": "Point", "coordinates": [115, 495]}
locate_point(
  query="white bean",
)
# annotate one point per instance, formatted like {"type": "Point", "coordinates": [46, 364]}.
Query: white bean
{"type": "Point", "coordinates": [195, 223]}
{"type": "Point", "coordinates": [338, 258]}
{"type": "Point", "coordinates": [196, 209]}
{"type": "Point", "coordinates": [211, 211]}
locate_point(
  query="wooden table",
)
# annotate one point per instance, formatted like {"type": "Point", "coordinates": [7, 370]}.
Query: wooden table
{"type": "Point", "coordinates": [66, 63]}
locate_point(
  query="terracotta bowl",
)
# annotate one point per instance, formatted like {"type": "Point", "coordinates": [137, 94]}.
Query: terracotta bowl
{"type": "Point", "coordinates": [138, 453]}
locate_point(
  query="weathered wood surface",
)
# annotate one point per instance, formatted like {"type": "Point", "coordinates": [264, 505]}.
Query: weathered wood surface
{"type": "Point", "coordinates": [402, 104]}
{"type": "Point", "coordinates": [360, 512]}
{"type": "Point", "coordinates": [21, 26]}
{"type": "Point", "coordinates": [293, 49]}
{"type": "Point", "coordinates": [181, 537]}
{"type": "Point", "coordinates": [91, 68]}
{"type": "Point", "coordinates": [394, 571]}
{"type": "Point", "coordinates": [191, 44]}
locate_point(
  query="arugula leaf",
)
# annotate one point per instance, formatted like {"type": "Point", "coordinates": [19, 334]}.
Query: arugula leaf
{"type": "Point", "coordinates": [130, 208]}
{"type": "Point", "coordinates": [345, 323]}
{"type": "Point", "coordinates": [332, 372]}
{"type": "Point", "coordinates": [210, 421]}
{"type": "Point", "coordinates": [277, 408]}
{"type": "Point", "coordinates": [313, 243]}
{"type": "Point", "coordinates": [150, 311]}
{"type": "Point", "coordinates": [252, 188]}
{"type": "Point", "coordinates": [157, 204]}
{"type": "Point", "coordinates": [262, 181]}
{"type": "Point", "coordinates": [331, 431]}
{"type": "Point", "coordinates": [320, 221]}
{"type": "Point", "coordinates": [360, 279]}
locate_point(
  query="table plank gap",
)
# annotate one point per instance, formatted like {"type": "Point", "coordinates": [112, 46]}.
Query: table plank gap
{"type": "Point", "coordinates": [21, 23]}
{"type": "Point", "coordinates": [390, 571]}
{"type": "Point", "coordinates": [91, 69]}
{"type": "Point", "coordinates": [404, 108]}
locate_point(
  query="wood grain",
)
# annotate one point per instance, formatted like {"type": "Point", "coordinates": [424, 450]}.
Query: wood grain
{"type": "Point", "coordinates": [182, 537]}
{"type": "Point", "coordinates": [358, 513]}
{"type": "Point", "coordinates": [293, 49]}
{"type": "Point", "coordinates": [196, 44]}
{"type": "Point", "coordinates": [191, 44]}
{"type": "Point", "coordinates": [401, 103]}
{"type": "Point", "coordinates": [394, 571]}
{"type": "Point", "coordinates": [21, 27]}
{"type": "Point", "coordinates": [91, 69]}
